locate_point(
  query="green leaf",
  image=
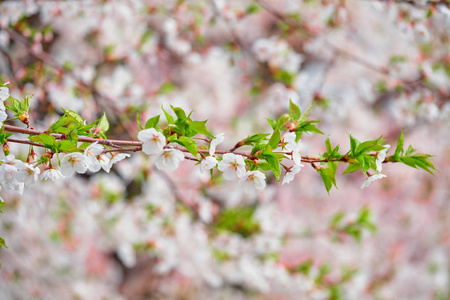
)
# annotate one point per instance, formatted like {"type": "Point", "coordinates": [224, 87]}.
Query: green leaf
{"type": "Point", "coordinates": [238, 220]}
{"type": "Point", "coordinates": [169, 118]}
{"type": "Point", "coordinates": [274, 164]}
{"type": "Point", "coordinates": [399, 148]}
{"type": "Point", "coordinates": [272, 123]}
{"type": "Point", "coordinates": [306, 113]}
{"type": "Point", "coordinates": [67, 146]}
{"type": "Point", "coordinates": [200, 127]}
{"type": "Point", "coordinates": [179, 112]}
{"type": "Point", "coordinates": [256, 138]}
{"type": "Point", "coordinates": [374, 145]}
{"type": "Point", "coordinates": [328, 177]}
{"type": "Point", "coordinates": [44, 139]}
{"type": "Point", "coordinates": [74, 115]}
{"type": "Point", "coordinates": [353, 144]}
{"type": "Point", "coordinates": [166, 88]}
{"type": "Point", "coordinates": [294, 111]}
{"type": "Point", "coordinates": [274, 140]}
{"type": "Point", "coordinates": [189, 144]}
{"type": "Point", "coordinates": [138, 119]}
{"type": "Point", "coordinates": [103, 123]}
{"type": "Point", "coordinates": [152, 122]}
{"type": "Point", "coordinates": [282, 120]}
{"type": "Point", "coordinates": [252, 8]}
{"type": "Point", "coordinates": [352, 168]}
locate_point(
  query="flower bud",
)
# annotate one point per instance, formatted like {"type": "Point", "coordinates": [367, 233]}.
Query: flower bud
{"type": "Point", "coordinates": [6, 149]}
{"type": "Point", "coordinates": [24, 118]}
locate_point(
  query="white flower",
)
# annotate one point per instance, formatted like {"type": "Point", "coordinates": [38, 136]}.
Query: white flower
{"type": "Point", "coordinates": [91, 154]}
{"type": "Point", "coordinates": [3, 116]}
{"type": "Point", "coordinates": [216, 141]}
{"type": "Point", "coordinates": [381, 156]}
{"type": "Point", "coordinates": [8, 174]}
{"type": "Point", "coordinates": [372, 178]}
{"type": "Point", "coordinates": [289, 176]}
{"type": "Point", "coordinates": [118, 157]}
{"type": "Point", "coordinates": [4, 93]}
{"type": "Point", "coordinates": [127, 254]}
{"type": "Point", "coordinates": [52, 174]}
{"type": "Point", "coordinates": [421, 33]}
{"type": "Point", "coordinates": [264, 49]}
{"type": "Point", "coordinates": [295, 147]}
{"type": "Point", "coordinates": [208, 163]}
{"type": "Point", "coordinates": [153, 141]}
{"type": "Point", "coordinates": [169, 159]}
{"type": "Point", "coordinates": [104, 163]}
{"type": "Point", "coordinates": [27, 173]}
{"type": "Point", "coordinates": [253, 180]}
{"type": "Point", "coordinates": [73, 162]}
{"type": "Point", "coordinates": [232, 165]}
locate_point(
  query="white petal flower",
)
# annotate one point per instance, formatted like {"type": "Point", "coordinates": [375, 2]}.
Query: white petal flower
{"type": "Point", "coordinates": [127, 254]}
{"type": "Point", "coordinates": [73, 162]}
{"type": "Point", "coordinates": [153, 141]}
{"type": "Point", "coordinates": [253, 180]}
{"type": "Point", "coordinates": [294, 146]}
{"type": "Point", "coordinates": [381, 156]}
{"type": "Point", "coordinates": [104, 163]}
{"type": "Point", "coordinates": [118, 157]}
{"type": "Point", "coordinates": [9, 171]}
{"type": "Point", "coordinates": [232, 165]}
{"type": "Point", "coordinates": [208, 163]}
{"type": "Point", "coordinates": [289, 176]}
{"type": "Point", "coordinates": [4, 93]}
{"type": "Point", "coordinates": [216, 141]}
{"type": "Point", "coordinates": [169, 159]}
{"type": "Point", "coordinates": [27, 174]}
{"type": "Point", "coordinates": [290, 140]}
{"type": "Point", "coordinates": [91, 154]}
{"type": "Point", "coordinates": [372, 178]}
{"type": "Point", "coordinates": [3, 116]}
{"type": "Point", "coordinates": [52, 174]}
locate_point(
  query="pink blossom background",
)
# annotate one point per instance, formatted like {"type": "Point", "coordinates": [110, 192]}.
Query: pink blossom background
{"type": "Point", "coordinates": [92, 237]}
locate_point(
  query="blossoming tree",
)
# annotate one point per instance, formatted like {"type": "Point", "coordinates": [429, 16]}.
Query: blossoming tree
{"type": "Point", "coordinates": [88, 86]}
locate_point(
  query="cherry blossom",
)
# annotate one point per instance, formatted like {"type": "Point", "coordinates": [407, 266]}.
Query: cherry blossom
{"type": "Point", "coordinates": [27, 173]}
{"type": "Point", "coordinates": [52, 174]}
{"type": "Point", "coordinates": [153, 141]}
{"type": "Point", "coordinates": [253, 180]}
{"type": "Point", "coordinates": [91, 154]}
{"type": "Point", "coordinates": [381, 156]}
{"type": "Point", "coordinates": [118, 157]}
{"type": "Point", "coordinates": [295, 147]}
{"type": "Point", "coordinates": [9, 171]}
{"type": "Point", "coordinates": [73, 162]}
{"type": "Point", "coordinates": [215, 141]}
{"type": "Point", "coordinates": [371, 179]}
{"type": "Point", "coordinates": [169, 159]}
{"type": "Point", "coordinates": [289, 176]}
{"type": "Point", "coordinates": [232, 165]}
{"type": "Point", "coordinates": [208, 163]}
{"type": "Point", "coordinates": [4, 93]}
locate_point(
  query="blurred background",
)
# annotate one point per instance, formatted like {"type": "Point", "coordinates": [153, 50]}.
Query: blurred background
{"type": "Point", "coordinates": [367, 67]}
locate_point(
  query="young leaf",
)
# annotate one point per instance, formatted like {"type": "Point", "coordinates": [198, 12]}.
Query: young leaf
{"type": "Point", "coordinates": [189, 144]}
{"type": "Point", "coordinates": [274, 140]}
{"type": "Point", "coordinates": [399, 148]}
{"type": "Point", "coordinates": [152, 122]}
{"type": "Point", "coordinates": [328, 177]}
{"type": "Point", "coordinates": [44, 139]}
{"type": "Point", "coordinates": [103, 123]}
{"type": "Point", "coordinates": [200, 127]}
{"type": "Point", "coordinates": [352, 168]}
{"type": "Point", "coordinates": [179, 112]}
{"type": "Point", "coordinates": [273, 163]}
{"type": "Point", "coordinates": [67, 146]}
{"type": "Point", "coordinates": [169, 118]}
{"type": "Point", "coordinates": [138, 119]}
{"type": "Point", "coordinates": [294, 111]}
